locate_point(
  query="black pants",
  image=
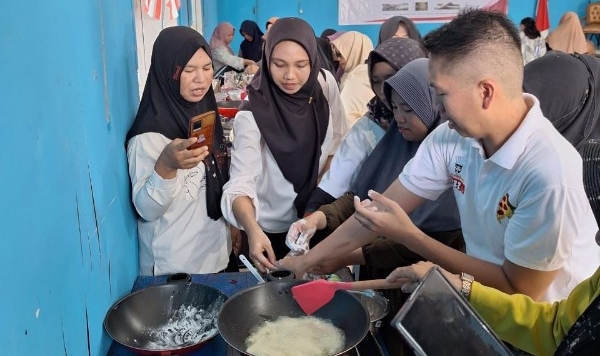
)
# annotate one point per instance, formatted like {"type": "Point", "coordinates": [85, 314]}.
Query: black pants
{"type": "Point", "coordinates": [232, 266]}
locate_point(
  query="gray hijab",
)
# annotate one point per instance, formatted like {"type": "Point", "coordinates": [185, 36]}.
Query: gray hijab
{"type": "Point", "coordinates": [393, 152]}
{"type": "Point", "coordinates": [412, 84]}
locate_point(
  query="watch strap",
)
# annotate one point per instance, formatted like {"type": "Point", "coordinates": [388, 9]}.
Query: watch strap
{"type": "Point", "coordinates": [467, 282]}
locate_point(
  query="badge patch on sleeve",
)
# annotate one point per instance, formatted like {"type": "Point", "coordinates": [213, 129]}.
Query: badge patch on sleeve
{"type": "Point", "coordinates": [505, 209]}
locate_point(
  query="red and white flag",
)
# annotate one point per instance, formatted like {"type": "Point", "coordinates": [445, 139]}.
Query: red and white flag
{"type": "Point", "coordinates": [541, 18]}
{"type": "Point", "coordinates": [154, 8]}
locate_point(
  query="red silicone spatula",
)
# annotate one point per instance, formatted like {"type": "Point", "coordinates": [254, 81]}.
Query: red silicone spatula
{"type": "Point", "coordinates": [311, 296]}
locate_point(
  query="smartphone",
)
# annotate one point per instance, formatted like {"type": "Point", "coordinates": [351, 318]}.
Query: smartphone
{"type": "Point", "coordinates": [203, 127]}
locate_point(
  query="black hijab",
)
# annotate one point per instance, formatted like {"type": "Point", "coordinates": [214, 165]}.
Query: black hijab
{"type": "Point", "coordinates": [293, 126]}
{"type": "Point", "coordinates": [163, 110]}
{"type": "Point", "coordinates": [567, 87]}
{"type": "Point", "coordinates": [412, 84]}
{"type": "Point", "coordinates": [326, 55]}
{"type": "Point", "coordinates": [326, 33]}
{"type": "Point", "coordinates": [390, 26]}
{"type": "Point", "coordinates": [251, 50]}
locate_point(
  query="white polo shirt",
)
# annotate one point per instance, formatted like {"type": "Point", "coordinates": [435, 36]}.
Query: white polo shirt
{"type": "Point", "coordinates": [526, 203]}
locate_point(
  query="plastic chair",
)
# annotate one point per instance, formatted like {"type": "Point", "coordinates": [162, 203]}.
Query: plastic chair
{"type": "Point", "coordinates": [590, 153]}
{"type": "Point", "coordinates": [591, 24]}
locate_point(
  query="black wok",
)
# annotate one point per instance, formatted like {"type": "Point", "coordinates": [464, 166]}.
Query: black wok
{"type": "Point", "coordinates": [267, 301]}
{"type": "Point", "coordinates": [139, 320]}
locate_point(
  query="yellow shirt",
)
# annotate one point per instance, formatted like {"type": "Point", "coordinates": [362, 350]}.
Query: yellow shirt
{"type": "Point", "coordinates": [535, 327]}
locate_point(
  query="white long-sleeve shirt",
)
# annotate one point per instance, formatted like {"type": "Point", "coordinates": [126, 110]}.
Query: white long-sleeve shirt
{"type": "Point", "coordinates": [349, 158]}
{"type": "Point", "coordinates": [222, 57]}
{"type": "Point", "coordinates": [175, 233]}
{"type": "Point", "coordinates": [254, 172]}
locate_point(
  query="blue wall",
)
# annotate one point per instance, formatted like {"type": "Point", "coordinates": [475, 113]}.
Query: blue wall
{"type": "Point", "coordinates": [68, 95]}
{"type": "Point", "coordinates": [322, 14]}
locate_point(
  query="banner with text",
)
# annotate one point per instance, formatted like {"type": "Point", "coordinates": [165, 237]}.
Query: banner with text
{"type": "Point", "coordinates": [363, 12]}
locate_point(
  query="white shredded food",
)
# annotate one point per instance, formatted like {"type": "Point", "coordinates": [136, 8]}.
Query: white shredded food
{"type": "Point", "coordinates": [301, 336]}
{"type": "Point", "coordinates": [188, 326]}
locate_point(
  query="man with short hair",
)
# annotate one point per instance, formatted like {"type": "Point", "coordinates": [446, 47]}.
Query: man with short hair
{"type": "Point", "coordinates": [527, 223]}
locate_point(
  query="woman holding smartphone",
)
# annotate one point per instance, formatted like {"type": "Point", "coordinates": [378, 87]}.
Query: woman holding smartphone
{"type": "Point", "coordinates": [176, 189]}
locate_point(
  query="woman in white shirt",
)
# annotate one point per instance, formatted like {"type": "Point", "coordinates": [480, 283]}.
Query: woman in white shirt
{"type": "Point", "coordinates": [176, 190]}
{"type": "Point", "coordinates": [284, 134]}
{"type": "Point", "coordinates": [351, 51]}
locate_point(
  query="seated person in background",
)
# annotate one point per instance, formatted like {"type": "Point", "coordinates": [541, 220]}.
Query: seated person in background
{"type": "Point", "coordinates": [223, 54]}
{"type": "Point", "coordinates": [383, 62]}
{"type": "Point", "coordinates": [398, 26]}
{"type": "Point", "coordinates": [518, 184]}
{"type": "Point", "coordinates": [284, 134]}
{"type": "Point", "coordinates": [568, 37]}
{"type": "Point", "coordinates": [251, 46]}
{"type": "Point", "coordinates": [567, 327]}
{"type": "Point", "coordinates": [567, 87]}
{"type": "Point", "coordinates": [180, 225]}
{"type": "Point", "coordinates": [351, 51]}
{"type": "Point", "coordinates": [532, 44]}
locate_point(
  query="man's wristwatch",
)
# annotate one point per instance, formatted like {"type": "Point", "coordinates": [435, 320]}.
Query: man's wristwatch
{"type": "Point", "coordinates": [467, 281]}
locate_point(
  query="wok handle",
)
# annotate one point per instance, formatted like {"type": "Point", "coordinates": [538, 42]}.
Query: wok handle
{"type": "Point", "coordinates": [372, 284]}
{"type": "Point", "coordinates": [179, 278]}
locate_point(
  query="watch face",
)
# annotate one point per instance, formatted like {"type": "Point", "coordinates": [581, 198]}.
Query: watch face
{"type": "Point", "coordinates": [437, 320]}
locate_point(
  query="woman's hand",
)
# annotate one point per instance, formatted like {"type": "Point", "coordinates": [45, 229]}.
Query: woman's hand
{"type": "Point", "coordinates": [297, 265]}
{"type": "Point", "coordinates": [251, 68]}
{"type": "Point", "coordinates": [385, 217]}
{"type": "Point", "coordinates": [258, 244]}
{"type": "Point", "coordinates": [412, 275]}
{"type": "Point", "coordinates": [299, 234]}
{"type": "Point", "coordinates": [176, 156]}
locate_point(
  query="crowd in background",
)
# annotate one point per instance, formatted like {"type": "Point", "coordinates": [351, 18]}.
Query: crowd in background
{"type": "Point", "coordinates": [346, 153]}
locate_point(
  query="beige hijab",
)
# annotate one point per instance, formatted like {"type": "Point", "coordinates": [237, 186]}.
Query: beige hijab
{"type": "Point", "coordinates": [568, 37]}
{"type": "Point", "coordinates": [355, 48]}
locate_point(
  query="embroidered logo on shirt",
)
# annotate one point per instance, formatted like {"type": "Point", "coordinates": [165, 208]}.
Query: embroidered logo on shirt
{"type": "Point", "coordinates": [457, 168]}
{"type": "Point", "coordinates": [505, 209]}
{"type": "Point", "coordinates": [457, 182]}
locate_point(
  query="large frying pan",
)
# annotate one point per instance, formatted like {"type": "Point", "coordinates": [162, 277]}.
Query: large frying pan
{"type": "Point", "coordinates": [138, 320]}
{"type": "Point", "coordinates": [267, 301]}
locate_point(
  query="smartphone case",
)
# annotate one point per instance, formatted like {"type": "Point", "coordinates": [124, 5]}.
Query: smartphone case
{"type": "Point", "coordinates": [203, 127]}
